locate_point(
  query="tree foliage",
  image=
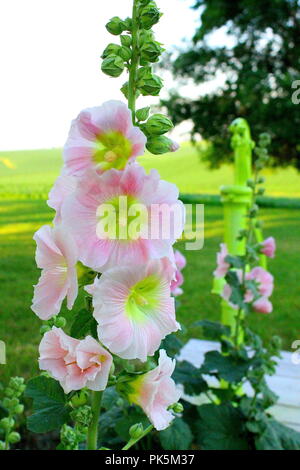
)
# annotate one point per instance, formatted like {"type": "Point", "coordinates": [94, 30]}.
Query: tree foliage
{"type": "Point", "coordinates": [260, 67]}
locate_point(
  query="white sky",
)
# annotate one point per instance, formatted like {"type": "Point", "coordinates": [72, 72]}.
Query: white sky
{"type": "Point", "coordinates": [50, 66]}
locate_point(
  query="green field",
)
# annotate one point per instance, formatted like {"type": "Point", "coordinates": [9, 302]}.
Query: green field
{"type": "Point", "coordinates": [26, 177]}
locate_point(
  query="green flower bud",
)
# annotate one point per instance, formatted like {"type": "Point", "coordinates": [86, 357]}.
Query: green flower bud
{"type": "Point", "coordinates": [82, 415]}
{"type": "Point", "coordinates": [136, 431]}
{"type": "Point", "coordinates": [79, 399]}
{"type": "Point", "coordinates": [126, 40]}
{"type": "Point", "coordinates": [125, 53]}
{"type": "Point", "coordinates": [44, 329]}
{"type": "Point", "coordinates": [125, 88]}
{"type": "Point", "coordinates": [116, 26]}
{"type": "Point", "coordinates": [151, 86]}
{"type": "Point", "coordinates": [14, 437]}
{"type": "Point", "coordinates": [111, 49]}
{"type": "Point", "coordinates": [14, 402]}
{"type": "Point", "coordinates": [128, 24]}
{"type": "Point", "coordinates": [158, 124]}
{"type": "Point", "coordinates": [7, 423]}
{"type": "Point", "coordinates": [149, 15]}
{"type": "Point", "coordinates": [19, 409]}
{"type": "Point", "coordinates": [150, 51]}
{"type": "Point", "coordinates": [9, 392]}
{"type": "Point", "coordinates": [60, 322]}
{"type": "Point", "coordinates": [261, 191]}
{"type": "Point", "coordinates": [142, 114]}
{"type": "Point", "coordinates": [177, 408]}
{"type": "Point", "coordinates": [159, 145]}
{"type": "Point", "coordinates": [113, 66]}
{"type": "Point", "coordinates": [250, 183]}
{"type": "Point", "coordinates": [17, 383]}
{"type": "Point", "coordinates": [7, 402]}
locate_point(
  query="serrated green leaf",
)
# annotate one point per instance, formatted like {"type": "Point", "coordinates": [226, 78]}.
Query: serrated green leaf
{"type": "Point", "coordinates": [178, 436]}
{"type": "Point", "coordinates": [276, 436]}
{"type": "Point", "coordinates": [50, 406]}
{"type": "Point", "coordinates": [213, 330]}
{"type": "Point", "coordinates": [231, 369]}
{"type": "Point", "coordinates": [221, 428]}
{"type": "Point", "coordinates": [190, 377]}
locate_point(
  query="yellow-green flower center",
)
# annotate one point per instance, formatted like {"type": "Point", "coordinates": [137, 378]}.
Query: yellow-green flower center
{"type": "Point", "coordinates": [143, 299]}
{"type": "Point", "coordinates": [112, 150]}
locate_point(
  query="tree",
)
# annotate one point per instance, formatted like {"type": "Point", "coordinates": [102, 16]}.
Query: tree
{"type": "Point", "coordinates": [260, 69]}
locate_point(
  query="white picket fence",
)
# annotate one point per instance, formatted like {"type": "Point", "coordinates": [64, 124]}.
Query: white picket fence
{"type": "Point", "coordinates": [286, 382]}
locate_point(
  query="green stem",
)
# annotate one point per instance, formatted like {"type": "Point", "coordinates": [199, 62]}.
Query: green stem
{"type": "Point", "coordinates": [92, 438]}
{"type": "Point", "coordinates": [132, 442]}
{"type": "Point", "coordinates": [134, 60]}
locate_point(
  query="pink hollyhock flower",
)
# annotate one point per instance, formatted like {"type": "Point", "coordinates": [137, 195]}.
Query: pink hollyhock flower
{"type": "Point", "coordinates": [56, 255]}
{"type": "Point", "coordinates": [222, 265]}
{"type": "Point", "coordinates": [74, 363]}
{"type": "Point", "coordinates": [133, 199]}
{"type": "Point", "coordinates": [264, 280]}
{"type": "Point", "coordinates": [269, 247]}
{"type": "Point", "coordinates": [103, 137]}
{"type": "Point", "coordinates": [155, 392]}
{"type": "Point", "coordinates": [134, 308]}
{"type": "Point", "coordinates": [63, 187]}
{"type": "Point", "coordinates": [176, 283]}
{"type": "Point", "coordinates": [265, 285]}
{"type": "Point", "coordinates": [263, 305]}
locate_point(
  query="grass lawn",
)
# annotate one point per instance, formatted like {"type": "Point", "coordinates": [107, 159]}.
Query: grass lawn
{"type": "Point", "coordinates": [23, 211]}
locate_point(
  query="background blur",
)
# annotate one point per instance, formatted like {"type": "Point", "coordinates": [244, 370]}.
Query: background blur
{"type": "Point", "coordinates": [224, 59]}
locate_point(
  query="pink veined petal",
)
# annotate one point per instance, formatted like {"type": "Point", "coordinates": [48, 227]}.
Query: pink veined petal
{"type": "Point", "coordinates": [48, 254]}
{"type": "Point", "coordinates": [49, 293]}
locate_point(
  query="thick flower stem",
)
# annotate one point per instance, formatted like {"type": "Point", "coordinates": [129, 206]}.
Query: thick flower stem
{"type": "Point", "coordinates": [92, 438]}
{"type": "Point", "coordinates": [134, 60]}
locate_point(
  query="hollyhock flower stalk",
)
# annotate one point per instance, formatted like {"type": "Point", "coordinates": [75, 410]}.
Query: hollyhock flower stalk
{"type": "Point", "coordinates": [114, 225]}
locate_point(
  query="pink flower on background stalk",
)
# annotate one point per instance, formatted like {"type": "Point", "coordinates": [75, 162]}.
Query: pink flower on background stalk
{"type": "Point", "coordinates": [265, 286]}
{"type": "Point", "coordinates": [269, 247]}
{"type": "Point", "coordinates": [129, 196]}
{"type": "Point", "coordinates": [176, 283]}
{"type": "Point", "coordinates": [264, 279]}
{"type": "Point", "coordinates": [63, 187]}
{"type": "Point", "coordinates": [222, 265]}
{"type": "Point", "coordinates": [56, 255]}
{"type": "Point", "coordinates": [156, 391]}
{"type": "Point", "coordinates": [263, 305]}
{"type": "Point", "coordinates": [74, 363]}
{"type": "Point", "coordinates": [103, 137]}
{"type": "Point", "coordinates": [134, 308]}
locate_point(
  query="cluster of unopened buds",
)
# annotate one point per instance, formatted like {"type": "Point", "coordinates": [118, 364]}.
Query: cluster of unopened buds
{"type": "Point", "coordinates": [12, 404]}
